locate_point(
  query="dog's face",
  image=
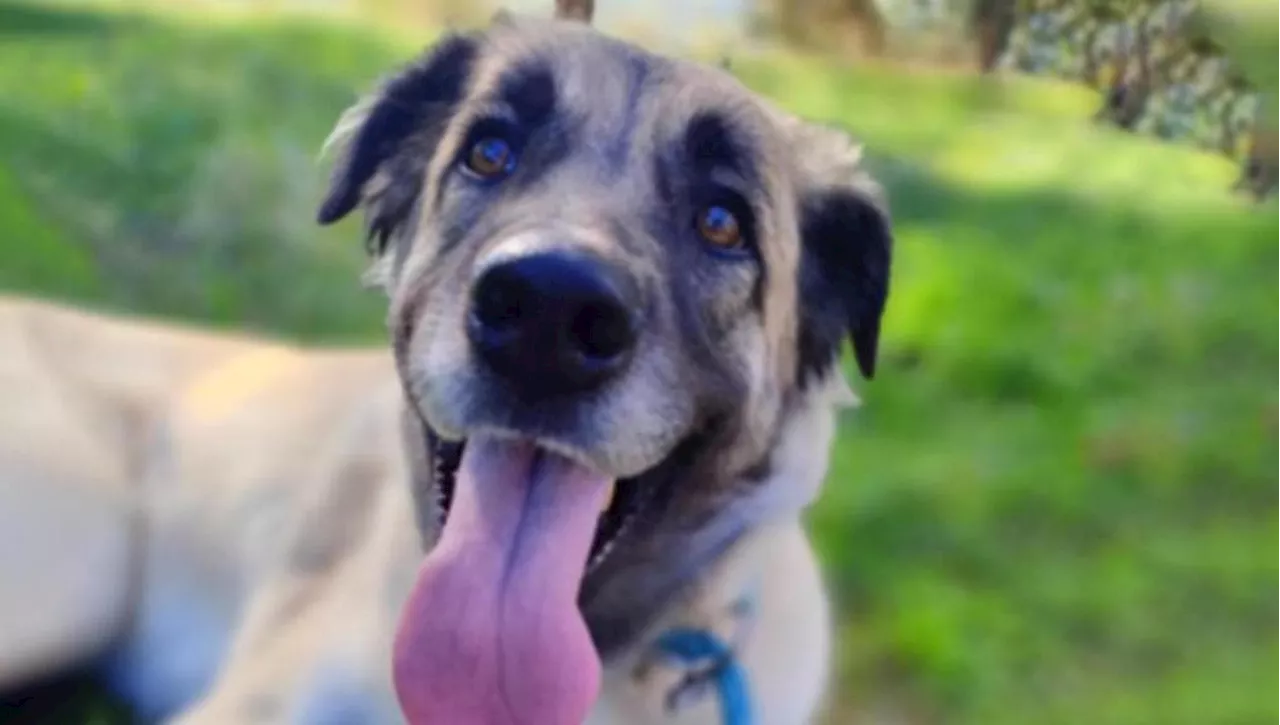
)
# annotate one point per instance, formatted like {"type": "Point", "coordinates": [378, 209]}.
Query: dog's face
{"type": "Point", "coordinates": [629, 260]}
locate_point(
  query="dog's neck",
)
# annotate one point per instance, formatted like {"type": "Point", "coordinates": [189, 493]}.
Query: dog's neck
{"type": "Point", "coordinates": [624, 613]}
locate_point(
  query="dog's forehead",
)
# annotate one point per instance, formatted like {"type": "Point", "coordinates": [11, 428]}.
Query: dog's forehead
{"type": "Point", "coordinates": [604, 80]}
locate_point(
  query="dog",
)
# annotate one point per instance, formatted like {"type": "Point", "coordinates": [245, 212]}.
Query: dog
{"type": "Point", "coordinates": [619, 284]}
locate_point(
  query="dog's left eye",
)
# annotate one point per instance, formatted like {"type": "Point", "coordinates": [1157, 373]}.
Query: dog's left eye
{"type": "Point", "coordinates": [490, 158]}
{"type": "Point", "coordinates": [720, 227]}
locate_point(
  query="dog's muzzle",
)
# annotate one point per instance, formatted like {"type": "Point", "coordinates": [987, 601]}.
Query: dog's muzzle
{"type": "Point", "coordinates": [525, 515]}
{"type": "Point", "coordinates": [553, 322]}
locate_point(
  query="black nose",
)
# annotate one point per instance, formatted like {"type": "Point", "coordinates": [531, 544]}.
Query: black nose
{"type": "Point", "coordinates": [553, 322]}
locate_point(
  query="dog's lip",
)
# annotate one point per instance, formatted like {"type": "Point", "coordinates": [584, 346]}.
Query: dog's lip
{"type": "Point", "coordinates": [547, 443]}
{"type": "Point", "coordinates": [558, 444]}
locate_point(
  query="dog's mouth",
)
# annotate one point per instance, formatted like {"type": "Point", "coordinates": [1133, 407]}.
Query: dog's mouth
{"type": "Point", "coordinates": [493, 626]}
{"type": "Point", "coordinates": [624, 501]}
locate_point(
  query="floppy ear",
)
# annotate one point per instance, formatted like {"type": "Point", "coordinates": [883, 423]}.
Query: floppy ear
{"type": "Point", "coordinates": [846, 243]}
{"type": "Point", "coordinates": [407, 114]}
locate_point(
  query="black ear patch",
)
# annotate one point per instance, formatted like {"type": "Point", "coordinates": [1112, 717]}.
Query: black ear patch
{"type": "Point", "coordinates": [844, 280]}
{"type": "Point", "coordinates": [413, 105]}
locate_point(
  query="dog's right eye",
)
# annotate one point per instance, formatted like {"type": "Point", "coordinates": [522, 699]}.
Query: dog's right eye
{"type": "Point", "coordinates": [720, 227]}
{"type": "Point", "coordinates": [490, 158]}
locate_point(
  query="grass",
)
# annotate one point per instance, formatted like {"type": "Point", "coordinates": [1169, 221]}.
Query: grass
{"type": "Point", "coordinates": [1058, 503]}
{"type": "Point", "coordinates": [162, 166]}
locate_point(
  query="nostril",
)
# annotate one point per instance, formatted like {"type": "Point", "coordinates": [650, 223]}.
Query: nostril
{"type": "Point", "coordinates": [602, 332]}
{"type": "Point", "coordinates": [499, 301]}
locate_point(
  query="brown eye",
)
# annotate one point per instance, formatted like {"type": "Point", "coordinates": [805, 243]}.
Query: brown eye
{"type": "Point", "coordinates": [720, 227]}
{"type": "Point", "coordinates": [490, 157]}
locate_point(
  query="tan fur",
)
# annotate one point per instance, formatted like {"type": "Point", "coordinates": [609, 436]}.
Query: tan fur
{"type": "Point", "coordinates": [232, 519]}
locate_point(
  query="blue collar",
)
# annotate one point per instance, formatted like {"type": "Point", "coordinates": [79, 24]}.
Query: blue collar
{"type": "Point", "coordinates": [710, 662]}
{"type": "Point", "coordinates": [716, 665]}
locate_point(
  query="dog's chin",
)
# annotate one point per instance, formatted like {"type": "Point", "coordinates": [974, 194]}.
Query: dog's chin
{"type": "Point", "coordinates": [630, 496]}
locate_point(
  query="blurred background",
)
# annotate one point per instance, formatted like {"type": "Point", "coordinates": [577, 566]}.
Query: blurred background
{"type": "Point", "coordinates": [1059, 501]}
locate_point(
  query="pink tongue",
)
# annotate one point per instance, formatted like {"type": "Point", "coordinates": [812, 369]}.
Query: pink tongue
{"type": "Point", "coordinates": [491, 634]}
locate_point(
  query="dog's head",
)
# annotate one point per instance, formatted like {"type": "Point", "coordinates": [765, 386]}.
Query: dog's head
{"type": "Point", "coordinates": [626, 261]}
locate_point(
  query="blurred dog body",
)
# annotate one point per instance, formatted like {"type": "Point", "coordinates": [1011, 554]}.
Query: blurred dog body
{"type": "Point", "coordinates": [177, 500]}
{"type": "Point", "coordinates": [229, 528]}
{"type": "Point", "coordinates": [224, 524]}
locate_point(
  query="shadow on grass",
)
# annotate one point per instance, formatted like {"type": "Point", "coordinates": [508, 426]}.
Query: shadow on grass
{"type": "Point", "coordinates": [29, 19]}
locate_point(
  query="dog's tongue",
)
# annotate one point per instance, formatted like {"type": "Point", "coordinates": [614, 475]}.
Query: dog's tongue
{"type": "Point", "coordinates": [491, 634]}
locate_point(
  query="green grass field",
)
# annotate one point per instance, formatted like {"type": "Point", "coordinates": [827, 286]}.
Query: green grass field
{"type": "Point", "coordinates": [1058, 503]}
